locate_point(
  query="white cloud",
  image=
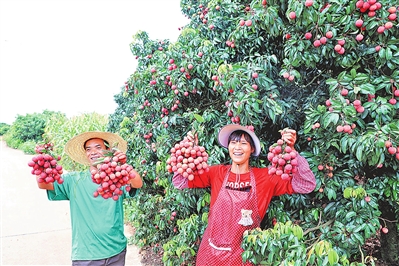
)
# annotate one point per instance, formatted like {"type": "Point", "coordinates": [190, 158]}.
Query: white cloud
{"type": "Point", "coordinates": [73, 56]}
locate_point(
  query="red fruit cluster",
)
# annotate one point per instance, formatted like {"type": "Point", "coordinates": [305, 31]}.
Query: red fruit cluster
{"type": "Point", "coordinates": [358, 106]}
{"type": "Point", "coordinates": [392, 149]}
{"type": "Point", "coordinates": [147, 137]}
{"type": "Point", "coordinates": [247, 23]}
{"type": "Point", "coordinates": [187, 158]}
{"type": "Point", "coordinates": [230, 43]}
{"type": "Point", "coordinates": [326, 169]}
{"type": "Point", "coordinates": [339, 47]}
{"type": "Point", "coordinates": [145, 104]}
{"type": "Point", "coordinates": [126, 86]}
{"type": "Point", "coordinates": [316, 125]}
{"type": "Point", "coordinates": [289, 76]}
{"type": "Point", "coordinates": [112, 175]}
{"type": "Point", "coordinates": [395, 93]}
{"type": "Point", "coordinates": [283, 160]}
{"type": "Point", "coordinates": [346, 128]}
{"type": "Point", "coordinates": [45, 165]}
{"type": "Point", "coordinates": [368, 6]}
{"type": "Point", "coordinates": [202, 13]}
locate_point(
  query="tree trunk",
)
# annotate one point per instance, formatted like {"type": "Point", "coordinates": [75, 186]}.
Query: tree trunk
{"type": "Point", "coordinates": [390, 241]}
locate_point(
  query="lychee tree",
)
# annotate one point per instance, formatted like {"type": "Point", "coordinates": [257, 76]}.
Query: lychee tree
{"type": "Point", "coordinates": [329, 69]}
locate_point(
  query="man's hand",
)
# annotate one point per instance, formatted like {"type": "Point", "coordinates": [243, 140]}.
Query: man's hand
{"type": "Point", "coordinates": [121, 156]}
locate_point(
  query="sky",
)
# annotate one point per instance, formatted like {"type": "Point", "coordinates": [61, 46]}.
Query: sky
{"type": "Point", "coordinates": [73, 56]}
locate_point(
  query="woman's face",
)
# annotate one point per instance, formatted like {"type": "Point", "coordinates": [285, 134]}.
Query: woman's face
{"type": "Point", "coordinates": [240, 150]}
{"type": "Point", "coordinates": [94, 149]}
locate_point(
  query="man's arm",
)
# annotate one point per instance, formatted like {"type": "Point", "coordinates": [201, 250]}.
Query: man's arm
{"type": "Point", "coordinates": [136, 182]}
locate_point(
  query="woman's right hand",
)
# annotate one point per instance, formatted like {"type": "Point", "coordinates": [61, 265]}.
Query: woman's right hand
{"type": "Point", "coordinates": [193, 137]}
{"type": "Point", "coordinates": [289, 136]}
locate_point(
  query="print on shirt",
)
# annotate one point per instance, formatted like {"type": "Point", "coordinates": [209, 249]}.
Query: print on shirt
{"type": "Point", "coordinates": [238, 185]}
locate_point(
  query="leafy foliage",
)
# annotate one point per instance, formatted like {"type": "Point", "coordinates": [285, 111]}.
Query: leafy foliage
{"type": "Point", "coordinates": [28, 128]}
{"type": "Point", "coordinates": [252, 63]}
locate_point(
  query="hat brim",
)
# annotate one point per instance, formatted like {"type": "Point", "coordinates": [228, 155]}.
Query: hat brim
{"type": "Point", "coordinates": [226, 131]}
{"type": "Point", "coordinates": [75, 149]}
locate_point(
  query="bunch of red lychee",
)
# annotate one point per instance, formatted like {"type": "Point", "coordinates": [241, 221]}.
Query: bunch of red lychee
{"type": "Point", "coordinates": [112, 176]}
{"type": "Point", "coordinates": [45, 165]}
{"type": "Point", "coordinates": [283, 160]}
{"type": "Point", "coordinates": [187, 158]}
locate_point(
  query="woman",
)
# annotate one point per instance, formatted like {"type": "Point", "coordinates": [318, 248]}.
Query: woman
{"type": "Point", "coordinates": [240, 194]}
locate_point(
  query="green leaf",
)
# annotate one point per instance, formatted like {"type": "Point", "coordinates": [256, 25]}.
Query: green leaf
{"type": "Point", "coordinates": [344, 144]}
{"type": "Point", "coordinates": [264, 246]}
{"type": "Point", "coordinates": [353, 73]}
{"type": "Point", "coordinates": [348, 192]}
{"type": "Point", "coordinates": [330, 118]}
{"type": "Point", "coordinates": [359, 153]}
{"type": "Point", "coordinates": [367, 88]}
{"type": "Point", "coordinates": [199, 118]}
{"type": "Point", "coordinates": [332, 257]}
{"type": "Point", "coordinates": [388, 54]}
{"type": "Point", "coordinates": [349, 215]}
{"type": "Point", "coordinates": [358, 237]}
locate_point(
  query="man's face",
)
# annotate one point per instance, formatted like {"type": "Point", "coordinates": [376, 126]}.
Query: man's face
{"type": "Point", "coordinates": [94, 149]}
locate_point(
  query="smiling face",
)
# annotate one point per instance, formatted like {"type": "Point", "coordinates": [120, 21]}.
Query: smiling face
{"type": "Point", "coordinates": [240, 147]}
{"type": "Point", "coordinates": [94, 149]}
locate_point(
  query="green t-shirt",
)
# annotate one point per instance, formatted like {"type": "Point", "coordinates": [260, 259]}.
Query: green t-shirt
{"type": "Point", "coordinates": [97, 223]}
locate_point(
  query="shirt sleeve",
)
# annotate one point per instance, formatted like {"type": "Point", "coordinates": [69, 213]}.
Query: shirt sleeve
{"type": "Point", "coordinates": [200, 180]}
{"type": "Point", "coordinates": [303, 181]}
{"type": "Point", "coordinates": [179, 181]}
{"type": "Point", "coordinates": [61, 191]}
{"type": "Point", "coordinates": [132, 192]}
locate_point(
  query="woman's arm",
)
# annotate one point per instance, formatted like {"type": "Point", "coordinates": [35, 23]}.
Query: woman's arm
{"type": "Point", "coordinates": [303, 181]}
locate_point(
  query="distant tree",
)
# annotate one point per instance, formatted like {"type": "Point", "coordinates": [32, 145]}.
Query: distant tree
{"type": "Point", "coordinates": [4, 128]}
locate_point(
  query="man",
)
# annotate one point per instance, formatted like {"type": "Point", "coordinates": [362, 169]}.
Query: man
{"type": "Point", "coordinates": [97, 223]}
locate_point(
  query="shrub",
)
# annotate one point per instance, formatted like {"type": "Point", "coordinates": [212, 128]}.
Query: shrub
{"type": "Point", "coordinates": [4, 128]}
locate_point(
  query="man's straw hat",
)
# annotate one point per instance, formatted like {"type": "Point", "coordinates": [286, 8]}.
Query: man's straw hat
{"type": "Point", "coordinates": [75, 149]}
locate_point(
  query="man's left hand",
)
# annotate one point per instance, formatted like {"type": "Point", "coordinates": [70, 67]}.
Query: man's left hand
{"type": "Point", "coordinates": [121, 156]}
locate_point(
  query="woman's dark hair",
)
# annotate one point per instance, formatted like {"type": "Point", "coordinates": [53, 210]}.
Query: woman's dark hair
{"type": "Point", "coordinates": [236, 136]}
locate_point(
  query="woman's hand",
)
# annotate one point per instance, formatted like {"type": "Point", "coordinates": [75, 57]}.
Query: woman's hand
{"type": "Point", "coordinates": [289, 136]}
{"type": "Point", "coordinates": [193, 138]}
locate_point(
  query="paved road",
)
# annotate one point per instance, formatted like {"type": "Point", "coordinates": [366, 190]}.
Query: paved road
{"type": "Point", "coordinates": [34, 230]}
